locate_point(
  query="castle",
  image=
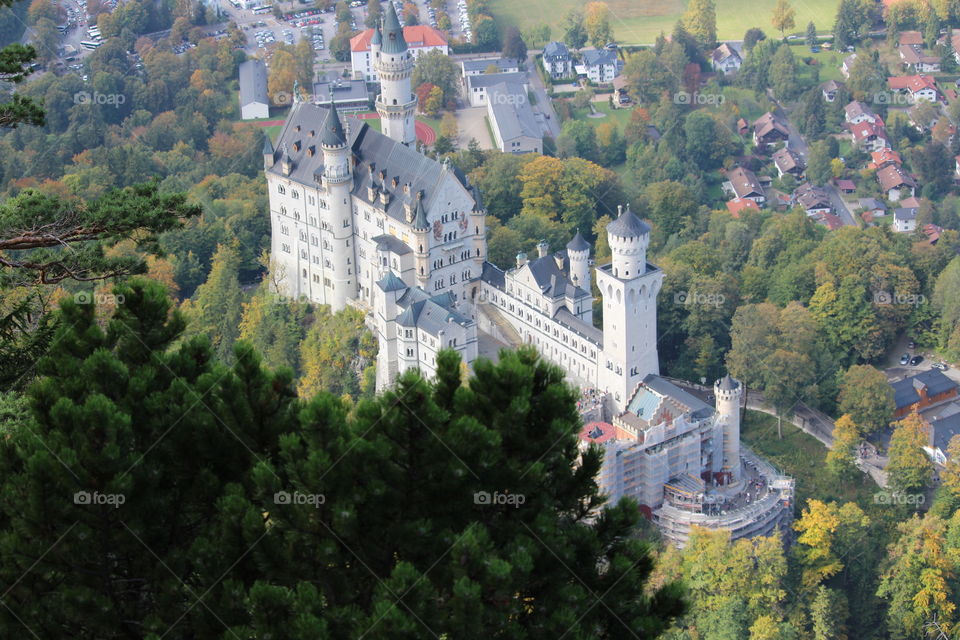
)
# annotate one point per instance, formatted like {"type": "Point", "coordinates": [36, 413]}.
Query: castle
{"type": "Point", "coordinates": [361, 218]}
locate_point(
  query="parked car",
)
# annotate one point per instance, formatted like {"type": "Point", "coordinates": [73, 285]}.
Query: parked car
{"type": "Point", "coordinates": [911, 345]}
{"type": "Point", "coordinates": [942, 366]}
{"type": "Point", "coordinates": [905, 358]}
{"type": "Point", "coordinates": [916, 360]}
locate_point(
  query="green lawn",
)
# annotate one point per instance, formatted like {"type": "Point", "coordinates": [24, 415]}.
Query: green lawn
{"type": "Point", "coordinates": [640, 21]}
{"type": "Point", "coordinates": [828, 62]}
{"type": "Point", "coordinates": [619, 117]}
{"type": "Point", "coordinates": [802, 456]}
{"type": "Point", "coordinates": [746, 100]}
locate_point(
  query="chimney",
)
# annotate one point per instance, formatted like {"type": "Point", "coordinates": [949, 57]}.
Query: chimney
{"type": "Point", "coordinates": [619, 210]}
{"type": "Point", "coordinates": [542, 249]}
{"type": "Point", "coordinates": [395, 182]}
{"type": "Point", "coordinates": [311, 150]}
{"type": "Point", "coordinates": [521, 259]}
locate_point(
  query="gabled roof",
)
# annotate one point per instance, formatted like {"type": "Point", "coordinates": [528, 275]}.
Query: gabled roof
{"type": "Point", "coordinates": [910, 38]}
{"type": "Point", "coordinates": [913, 54]}
{"type": "Point", "coordinates": [481, 65]}
{"type": "Point", "coordinates": [391, 282]}
{"type": "Point", "coordinates": [866, 131]}
{"type": "Point", "coordinates": [737, 205]}
{"type": "Point", "coordinates": [556, 51]}
{"type": "Point", "coordinates": [857, 108]}
{"type": "Point", "coordinates": [884, 156]}
{"type": "Point", "coordinates": [512, 115]}
{"type": "Point", "coordinates": [944, 429]}
{"type": "Point", "coordinates": [872, 204]}
{"type": "Point", "coordinates": [891, 177]}
{"type": "Point", "coordinates": [744, 182]}
{"type": "Point", "coordinates": [431, 314]}
{"type": "Point", "coordinates": [810, 197]}
{"type": "Point", "coordinates": [416, 37]}
{"type": "Point", "coordinates": [905, 391]}
{"type": "Point", "coordinates": [913, 84]}
{"type": "Point", "coordinates": [905, 214]}
{"type": "Point", "coordinates": [595, 57]}
{"type": "Point", "coordinates": [490, 79]}
{"type": "Point", "coordinates": [787, 160]}
{"type": "Point", "coordinates": [253, 82]}
{"type": "Point", "coordinates": [654, 390]}
{"type": "Point", "coordinates": [769, 123]}
{"type": "Point", "coordinates": [391, 243]}
{"type": "Point", "coordinates": [724, 51]}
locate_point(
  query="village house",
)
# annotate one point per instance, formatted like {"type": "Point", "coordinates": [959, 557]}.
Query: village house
{"type": "Point", "coordinates": [905, 220]}
{"type": "Point", "coordinates": [894, 182]}
{"type": "Point", "coordinates": [477, 87]}
{"type": "Point", "coordinates": [600, 65]}
{"type": "Point", "coordinates": [725, 59]}
{"type": "Point", "coordinates": [769, 129]}
{"type": "Point", "coordinates": [557, 61]}
{"type": "Point", "coordinates": [743, 184]}
{"type": "Point", "coordinates": [787, 161]}
{"type": "Point", "coordinates": [481, 65]}
{"type": "Point", "coordinates": [921, 391]}
{"type": "Point", "coordinates": [910, 38]}
{"type": "Point", "coordinates": [873, 207]}
{"type": "Point", "coordinates": [814, 200]}
{"type": "Point", "coordinates": [738, 205]}
{"type": "Point", "coordinates": [869, 137]}
{"type": "Point", "coordinates": [254, 102]}
{"type": "Point", "coordinates": [857, 112]}
{"type": "Point", "coordinates": [942, 429]}
{"type": "Point", "coordinates": [916, 88]}
{"type": "Point", "coordinates": [914, 59]}
{"type": "Point", "coordinates": [830, 89]}
{"type": "Point", "coordinates": [884, 158]}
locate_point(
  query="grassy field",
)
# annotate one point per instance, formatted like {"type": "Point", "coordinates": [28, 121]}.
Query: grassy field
{"type": "Point", "coordinates": [619, 117]}
{"type": "Point", "coordinates": [802, 456]}
{"type": "Point", "coordinates": [640, 21]}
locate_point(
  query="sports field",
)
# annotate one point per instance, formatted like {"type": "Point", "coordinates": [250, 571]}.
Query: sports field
{"type": "Point", "coordinates": [640, 21]}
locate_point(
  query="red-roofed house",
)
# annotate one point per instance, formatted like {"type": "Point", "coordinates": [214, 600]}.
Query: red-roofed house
{"type": "Point", "coordinates": [932, 232]}
{"type": "Point", "coordinates": [420, 39]}
{"type": "Point", "coordinates": [920, 87]}
{"type": "Point", "coordinates": [883, 158]}
{"type": "Point", "coordinates": [910, 38]}
{"type": "Point", "coordinates": [737, 205]}
{"type": "Point", "coordinates": [830, 220]}
{"type": "Point", "coordinates": [846, 186]}
{"type": "Point", "coordinates": [894, 181]}
{"type": "Point", "coordinates": [869, 137]}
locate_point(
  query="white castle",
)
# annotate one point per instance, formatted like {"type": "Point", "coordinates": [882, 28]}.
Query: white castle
{"type": "Point", "coordinates": [361, 217]}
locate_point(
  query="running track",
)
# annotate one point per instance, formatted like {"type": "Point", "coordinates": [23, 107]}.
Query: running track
{"type": "Point", "coordinates": [425, 132]}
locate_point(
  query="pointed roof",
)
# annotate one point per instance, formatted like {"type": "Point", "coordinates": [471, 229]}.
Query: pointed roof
{"type": "Point", "coordinates": [726, 383]}
{"type": "Point", "coordinates": [628, 225]}
{"type": "Point", "coordinates": [578, 243]}
{"type": "Point", "coordinates": [333, 135]}
{"type": "Point", "coordinates": [267, 145]}
{"type": "Point", "coordinates": [377, 38]}
{"type": "Point", "coordinates": [420, 219]}
{"type": "Point", "coordinates": [391, 282]}
{"type": "Point", "coordinates": [393, 41]}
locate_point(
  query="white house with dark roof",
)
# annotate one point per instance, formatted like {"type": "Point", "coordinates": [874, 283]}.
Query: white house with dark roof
{"type": "Point", "coordinates": [481, 65]}
{"type": "Point", "coordinates": [725, 59]}
{"type": "Point", "coordinates": [601, 65]}
{"type": "Point", "coordinates": [557, 61]}
{"type": "Point", "coordinates": [905, 220]}
{"type": "Point", "coordinates": [476, 86]}
{"type": "Point", "coordinates": [515, 127]}
{"type": "Point", "coordinates": [254, 102]}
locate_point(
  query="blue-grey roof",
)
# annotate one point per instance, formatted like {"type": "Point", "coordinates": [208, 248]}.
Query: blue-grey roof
{"type": "Point", "coordinates": [944, 429]}
{"type": "Point", "coordinates": [391, 243]}
{"type": "Point", "coordinates": [908, 213]}
{"type": "Point", "coordinates": [253, 82]}
{"type": "Point", "coordinates": [420, 222]}
{"type": "Point", "coordinates": [552, 280]}
{"type": "Point", "coordinates": [377, 36]}
{"type": "Point", "coordinates": [431, 314]}
{"type": "Point", "coordinates": [628, 225]}
{"type": "Point", "coordinates": [340, 90]}
{"type": "Point", "coordinates": [391, 282]}
{"type": "Point", "coordinates": [333, 135]}
{"type": "Point", "coordinates": [578, 243]}
{"type": "Point", "coordinates": [481, 64]}
{"type": "Point", "coordinates": [661, 387]}
{"type": "Point", "coordinates": [512, 115]}
{"type": "Point", "coordinates": [727, 383]}
{"type": "Point", "coordinates": [493, 275]}
{"type": "Point", "coordinates": [566, 319]}
{"type": "Point", "coordinates": [594, 57]}
{"type": "Point", "coordinates": [556, 51]}
{"type": "Point", "coordinates": [393, 41]}
{"type": "Point", "coordinates": [301, 133]}
{"type": "Point", "coordinates": [905, 392]}
{"type": "Point", "coordinates": [490, 79]}
{"type": "Point", "coordinates": [267, 145]}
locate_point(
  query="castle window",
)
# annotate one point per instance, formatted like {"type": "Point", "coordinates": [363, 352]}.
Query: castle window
{"type": "Point", "coordinates": [295, 194]}
{"type": "Point", "coordinates": [285, 248]}
{"type": "Point", "coordinates": [284, 229]}
{"type": "Point", "coordinates": [280, 189]}
{"type": "Point", "coordinates": [316, 278]}
{"type": "Point", "coordinates": [311, 200]}
{"type": "Point", "coordinates": [304, 273]}
{"type": "Point", "coordinates": [283, 210]}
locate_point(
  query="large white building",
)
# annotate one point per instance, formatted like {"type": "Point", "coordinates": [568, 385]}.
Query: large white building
{"type": "Point", "coordinates": [420, 39]}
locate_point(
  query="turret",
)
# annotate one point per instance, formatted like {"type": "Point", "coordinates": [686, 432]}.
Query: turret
{"type": "Point", "coordinates": [578, 253]}
{"type": "Point", "coordinates": [421, 230]}
{"type": "Point", "coordinates": [268, 152]}
{"type": "Point", "coordinates": [375, 42]}
{"type": "Point", "coordinates": [394, 65]}
{"type": "Point", "coordinates": [728, 392]}
{"type": "Point", "coordinates": [342, 274]}
{"type": "Point", "coordinates": [628, 237]}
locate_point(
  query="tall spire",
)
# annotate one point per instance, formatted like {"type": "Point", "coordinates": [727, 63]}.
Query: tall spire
{"type": "Point", "coordinates": [377, 38]}
{"type": "Point", "coordinates": [333, 135]}
{"type": "Point", "coordinates": [393, 41]}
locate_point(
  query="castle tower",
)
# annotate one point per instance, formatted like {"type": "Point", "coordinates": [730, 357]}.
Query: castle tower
{"type": "Point", "coordinates": [421, 229]}
{"type": "Point", "coordinates": [578, 252]}
{"type": "Point", "coordinates": [375, 42]}
{"type": "Point", "coordinates": [269, 155]}
{"type": "Point", "coordinates": [394, 66]}
{"type": "Point", "coordinates": [386, 292]}
{"type": "Point", "coordinates": [629, 287]}
{"type": "Point", "coordinates": [728, 393]}
{"type": "Point", "coordinates": [341, 275]}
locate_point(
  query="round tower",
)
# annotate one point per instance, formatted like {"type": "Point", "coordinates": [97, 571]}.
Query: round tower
{"type": "Point", "coordinates": [728, 392]}
{"type": "Point", "coordinates": [578, 252]}
{"type": "Point", "coordinates": [338, 183]}
{"type": "Point", "coordinates": [628, 237]}
{"type": "Point", "coordinates": [394, 65]}
{"type": "Point", "coordinates": [375, 43]}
